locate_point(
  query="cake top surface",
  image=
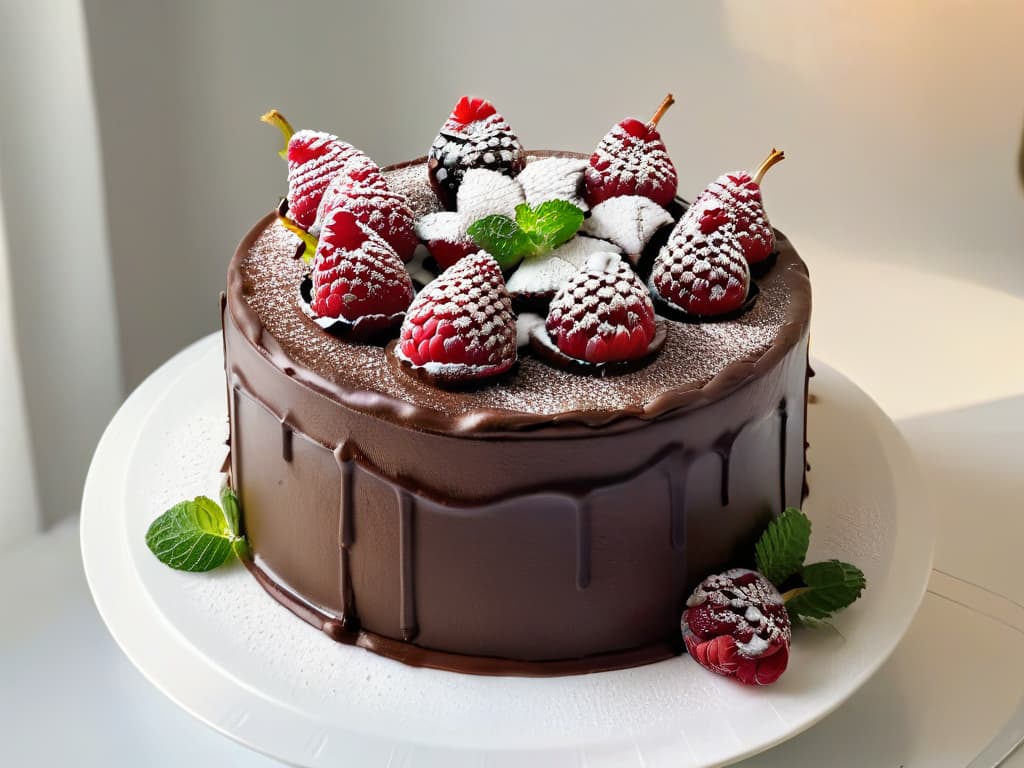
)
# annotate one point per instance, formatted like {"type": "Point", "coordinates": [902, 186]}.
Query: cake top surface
{"type": "Point", "coordinates": [699, 361]}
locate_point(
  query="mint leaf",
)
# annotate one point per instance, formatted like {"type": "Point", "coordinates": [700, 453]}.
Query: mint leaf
{"type": "Point", "coordinates": [229, 502]}
{"type": "Point", "coordinates": [191, 536]}
{"type": "Point", "coordinates": [501, 237]}
{"type": "Point", "coordinates": [830, 587]}
{"type": "Point", "coordinates": [781, 550]}
{"type": "Point", "coordinates": [549, 224]}
{"type": "Point", "coordinates": [534, 232]}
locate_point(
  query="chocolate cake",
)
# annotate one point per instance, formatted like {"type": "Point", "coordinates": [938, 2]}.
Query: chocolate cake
{"type": "Point", "coordinates": [548, 520]}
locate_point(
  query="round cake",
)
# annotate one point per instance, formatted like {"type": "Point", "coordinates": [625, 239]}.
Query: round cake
{"type": "Point", "coordinates": [552, 519]}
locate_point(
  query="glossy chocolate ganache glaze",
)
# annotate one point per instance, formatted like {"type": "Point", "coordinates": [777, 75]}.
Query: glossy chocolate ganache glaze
{"type": "Point", "coordinates": [548, 523]}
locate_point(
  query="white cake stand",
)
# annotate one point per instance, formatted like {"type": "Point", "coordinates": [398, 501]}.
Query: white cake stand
{"type": "Point", "coordinates": [224, 651]}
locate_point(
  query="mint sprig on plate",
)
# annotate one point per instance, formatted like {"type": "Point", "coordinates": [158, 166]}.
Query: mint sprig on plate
{"type": "Point", "coordinates": [782, 548]}
{"type": "Point", "coordinates": [817, 590]}
{"type": "Point", "coordinates": [534, 231]}
{"type": "Point", "coordinates": [198, 535]}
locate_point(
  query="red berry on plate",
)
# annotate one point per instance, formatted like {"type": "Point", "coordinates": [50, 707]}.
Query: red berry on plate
{"type": "Point", "coordinates": [736, 624]}
{"type": "Point", "coordinates": [701, 270]}
{"type": "Point", "coordinates": [381, 211]}
{"type": "Point", "coordinates": [632, 160]}
{"type": "Point", "coordinates": [740, 193]}
{"type": "Point", "coordinates": [461, 328]}
{"type": "Point", "coordinates": [475, 135]}
{"type": "Point", "coordinates": [603, 314]}
{"type": "Point", "coordinates": [314, 159]}
{"type": "Point", "coordinates": [356, 274]}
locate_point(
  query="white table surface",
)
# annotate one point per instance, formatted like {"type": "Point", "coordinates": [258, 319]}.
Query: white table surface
{"type": "Point", "coordinates": [943, 358]}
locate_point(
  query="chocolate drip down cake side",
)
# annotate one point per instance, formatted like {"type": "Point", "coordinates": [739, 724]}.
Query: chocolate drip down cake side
{"type": "Point", "coordinates": [500, 411]}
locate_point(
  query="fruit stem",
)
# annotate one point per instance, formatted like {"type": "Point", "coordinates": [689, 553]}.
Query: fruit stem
{"type": "Point", "coordinates": [775, 156]}
{"type": "Point", "coordinates": [787, 596]}
{"type": "Point", "coordinates": [307, 239]}
{"type": "Point", "coordinates": [667, 102]}
{"type": "Point", "coordinates": [276, 119]}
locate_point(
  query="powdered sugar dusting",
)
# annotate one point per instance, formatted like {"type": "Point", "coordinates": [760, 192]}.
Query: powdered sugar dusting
{"type": "Point", "coordinates": [629, 221]}
{"type": "Point", "coordinates": [484, 193]}
{"type": "Point", "coordinates": [314, 159]}
{"type": "Point", "coordinates": [742, 198]}
{"type": "Point", "coordinates": [412, 182]}
{"type": "Point", "coordinates": [442, 225]}
{"type": "Point", "coordinates": [482, 143]}
{"type": "Point", "coordinates": [624, 163]}
{"type": "Point", "coordinates": [383, 212]}
{"type": "Point", "coordinates": [743, 604]}
{"type": "Point", "coordinates": [702, 272]}
{"type": "Point", "coordinates": [367, 280]}
{"type": "Point", "coordinates": [543, 275]}
{"type": "Point", "coordinates": [603, 313]}
{"type": "Point", "coordinates": [554, 178]}
{"type": "Point", "coordinates": [463, 318]}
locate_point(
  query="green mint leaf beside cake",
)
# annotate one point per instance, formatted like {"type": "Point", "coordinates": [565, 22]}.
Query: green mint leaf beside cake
{"type": "Point", "coordinates": [232, 512]}
{"type": "Point", "coordinates": [830, 587]}
{"type": "Point", "coordinates": [782, 548]}
{"type": "Point", "coordinates": [196, 535]}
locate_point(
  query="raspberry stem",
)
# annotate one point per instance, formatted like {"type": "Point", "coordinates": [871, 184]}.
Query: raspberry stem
{"type": "Point", "coordinates": [310, 242]}
{"type": "Point", "coordinates": [775, 156]}
{"type": "Point", "coordinates": [276, 119]}
{"type": "Point", "coordinates": [667, 102]}
{"type": "Point", "coordinates": [790, 594]}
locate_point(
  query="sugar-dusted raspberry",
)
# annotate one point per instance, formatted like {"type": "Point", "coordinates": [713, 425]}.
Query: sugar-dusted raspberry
{"type": "Point", "coordinates": [382, 211]}
{"type": "Point", "coordinates": [740, 194]}
{"type": "Point", "coordinates": [314, 160]}
{"type": "Point", "coordinates": [461, 328]}
{"type": "Point", "coordinates": [736, 624]}
{"type": "Point", "coordinates": [632, 160]}
{"type": "Point", "coordinates": [603, 314]}
{"type": "Point", "coordinates": [701, 270]}
{"type": "Point", "coordinates": [356, 274]}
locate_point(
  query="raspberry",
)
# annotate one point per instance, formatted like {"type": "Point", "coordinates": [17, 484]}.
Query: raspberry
{"type": "Point", "coordinates": [701, 269]}
{"type": "Point", "coordinates": [356, 274]}
{"type": "Point", "coordinates": [603, 314]}
{"type": "Point", "coordinates": [314, 159]}
{"type": "Point", "coordinates": [632, 160]}
{"type": "Point", "coordinates": [740, 193]}
{"type": "Point", "coordinates": [473, 136]}
{"type": "Point", "coordinates": [383, 212]}
{"type": "Point", "coordinates": [736, 624]}
{"type": "Point", "coordinates": [461, 328]}
{"type": "Point", "coordinates": [444, 234]}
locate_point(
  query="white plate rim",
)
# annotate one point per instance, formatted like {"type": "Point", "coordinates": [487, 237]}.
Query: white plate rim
{"type": "Point", "coordinates": [165, 656]}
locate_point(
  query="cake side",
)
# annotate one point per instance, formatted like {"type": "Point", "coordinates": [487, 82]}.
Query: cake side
{"type": "Point", "coordinates": [595, 555]}
{"type": "Point", "coordinates": [499, 541]}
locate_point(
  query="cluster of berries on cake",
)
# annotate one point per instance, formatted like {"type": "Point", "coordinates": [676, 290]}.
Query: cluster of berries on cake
{"type": "Point", "coordinates": [557, 237]}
